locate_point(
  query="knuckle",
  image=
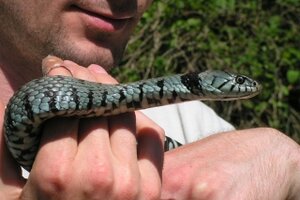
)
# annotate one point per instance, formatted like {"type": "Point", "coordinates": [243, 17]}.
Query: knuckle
{"type": "Point", "coordinates": [127, 187]}
{"type": "Point", "coordinates": [208, 186]}
{"type": "Point", "coordinates": [152, 193]}
{"type": "Point", "coordinates": [54, 180]}
{"type": "Point", "coordinates": [99, 179]}
{"type": "Point", "coordinates": [105, 182]}
{"type": "Point", "coordinates": [127, 193]}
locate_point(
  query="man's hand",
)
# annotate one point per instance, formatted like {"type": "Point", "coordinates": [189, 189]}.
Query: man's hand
{"type": "Point", "coordinates": [96, 158]}
{"type": "Point", "coordinates": [260, 164]}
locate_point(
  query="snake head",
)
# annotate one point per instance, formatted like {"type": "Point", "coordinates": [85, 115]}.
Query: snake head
{"type": "Point", "coordinates": [229, 86]}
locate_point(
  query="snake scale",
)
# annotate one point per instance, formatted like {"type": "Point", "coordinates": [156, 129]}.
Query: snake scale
{"type": "Point", "coordinates": [48, 97]}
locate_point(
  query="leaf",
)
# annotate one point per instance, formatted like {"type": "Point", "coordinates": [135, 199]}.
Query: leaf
{"type": "Point", "coordinates": [293, 76]}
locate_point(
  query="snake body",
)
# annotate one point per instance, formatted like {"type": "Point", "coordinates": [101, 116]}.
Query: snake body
{"type": "Point", "coordinates": [49, 97]}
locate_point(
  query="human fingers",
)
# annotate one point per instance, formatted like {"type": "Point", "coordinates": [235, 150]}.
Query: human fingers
{"type": "Point", "coordinates": [118, 172]}
{"type": "Point", "coordinates": [52, 168]}
{"type": "Point", "coordinates": [150, 139]}
{"type": "Point", "coordinates": [97, 143]}
{"type": "Point", "coordinates": [52, 65]}
{"type": "Point", "coordinates": [58, 145]}
{"type": "Point", "coordinates": [150, 155]}
{"type": "Point", "coordinates": [123, 137]}
{"type": "Point", "coordinates": [101, 169]}
{"type": "Point", "coordinates": [60, 135]}
{"type": "Point", "coordinates": [101, 75]}
{"type": "Point", "coordinates": [122, 132]}
{"type": "Point", "coordinates": [110, 151]}
{"type": "Point", "coordinates": [56, 66]}
{"type": "Point", "coordinates": [101, 144]}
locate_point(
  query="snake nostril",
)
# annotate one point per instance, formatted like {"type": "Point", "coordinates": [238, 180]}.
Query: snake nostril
{"type": "Point", "coordinates": [254, 83]}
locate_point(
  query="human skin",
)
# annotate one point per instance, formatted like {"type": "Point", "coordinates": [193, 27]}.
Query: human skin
{"type": "Point", "coordinates": [236, 160]}
{"type": "Point", "coordinates": [249, 164]}
{"type": "Point", "coordinates": [90, 159]}
{"type": "Point", "coordinates": [259, 163]}
{"type": "Point", "coordinates": [87, 32]}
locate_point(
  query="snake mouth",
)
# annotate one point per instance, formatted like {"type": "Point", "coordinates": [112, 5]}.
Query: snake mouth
{"type": "Point", "coordinates": [247, 95]}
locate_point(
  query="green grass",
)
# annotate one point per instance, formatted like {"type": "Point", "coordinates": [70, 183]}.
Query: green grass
{"type": "Point", "coordinates": [256, 38]}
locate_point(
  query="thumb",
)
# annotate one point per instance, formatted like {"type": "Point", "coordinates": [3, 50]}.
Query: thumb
{"type": "Point", "coordinates": [11, 181]}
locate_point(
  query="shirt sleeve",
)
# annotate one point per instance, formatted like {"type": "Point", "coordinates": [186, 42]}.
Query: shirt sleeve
{"type": "Point", "coordinates": [189, 121]}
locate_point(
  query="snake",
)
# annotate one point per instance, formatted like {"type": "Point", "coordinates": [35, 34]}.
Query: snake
{"type": "Point", "coordinates": [62, 96]}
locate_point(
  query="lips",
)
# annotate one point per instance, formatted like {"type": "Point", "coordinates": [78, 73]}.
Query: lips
{"type": "Point", "coordinates": [102, 22]}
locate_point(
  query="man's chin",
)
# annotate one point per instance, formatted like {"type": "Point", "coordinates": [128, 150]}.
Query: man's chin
{"type": "Point", "coordinates": [87, 56]}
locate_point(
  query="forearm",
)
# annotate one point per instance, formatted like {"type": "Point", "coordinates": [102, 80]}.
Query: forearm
{"type": "Point", "coordinates": [257, 163]}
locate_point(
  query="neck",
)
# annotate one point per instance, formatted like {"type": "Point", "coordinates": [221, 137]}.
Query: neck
{"type": "Point", "coordinates": [18, 65]}
{"type": "Point", "coordinates": [12, 77]}
{"type": "Point", "coordinates": [6, 89]}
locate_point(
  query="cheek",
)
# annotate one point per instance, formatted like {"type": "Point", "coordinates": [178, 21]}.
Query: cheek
{"type": "Point", "coordinates": [46, 11]}
{"type": "Point", "coordinates": [31, 17]}
{"type": "Point", "coordinates": [143, 5]}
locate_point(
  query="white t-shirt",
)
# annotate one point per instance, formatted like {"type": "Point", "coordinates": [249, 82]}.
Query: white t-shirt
{"type": "Point", "coordinates": [189, 121]}
{"type": "Point", "coordinates": [185, 122]}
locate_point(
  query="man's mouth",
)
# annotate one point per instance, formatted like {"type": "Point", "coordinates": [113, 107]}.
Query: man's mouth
{"type": "Point", "coordinates": [101, 21]}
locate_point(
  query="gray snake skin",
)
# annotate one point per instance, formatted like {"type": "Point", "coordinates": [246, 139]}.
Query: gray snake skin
{"type": "Point", "coordinates": [49, 97]}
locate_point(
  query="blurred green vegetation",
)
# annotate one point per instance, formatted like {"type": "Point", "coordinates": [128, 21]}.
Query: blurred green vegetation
{"type": "Point", "coordinates": [260, 39]}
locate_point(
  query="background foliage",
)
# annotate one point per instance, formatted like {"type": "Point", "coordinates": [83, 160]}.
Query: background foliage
{"type": "Point", "coordinates": [257, 38]}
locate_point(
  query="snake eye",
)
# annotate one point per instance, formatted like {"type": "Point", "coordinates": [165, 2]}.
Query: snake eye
{"type": "Point", "coordinates": [240, 79]}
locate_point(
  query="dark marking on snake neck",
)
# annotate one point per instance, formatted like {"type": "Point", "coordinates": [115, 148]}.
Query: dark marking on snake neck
{"type": "Point", "coordinates": [192, 82]}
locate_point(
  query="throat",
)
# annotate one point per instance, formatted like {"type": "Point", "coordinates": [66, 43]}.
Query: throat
{"type": "Point", "coordinates": [11, 79]}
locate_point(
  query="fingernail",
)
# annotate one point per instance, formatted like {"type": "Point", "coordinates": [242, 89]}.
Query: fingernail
{"type": "Point", "coordinates": [52, 62]}
{"type": "Point", "coordinates": [97, 69]}
{"type": "Point", "coordinates": [49, 62]}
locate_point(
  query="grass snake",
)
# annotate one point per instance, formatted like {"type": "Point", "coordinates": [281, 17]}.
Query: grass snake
{"type": "Point", "coordinates": [52, 96]}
